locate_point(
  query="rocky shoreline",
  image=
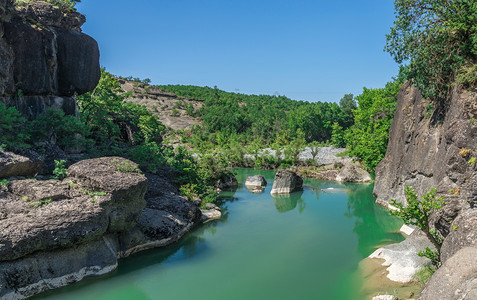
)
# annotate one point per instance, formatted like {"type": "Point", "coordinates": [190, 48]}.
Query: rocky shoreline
{"type": "Point", "coordinates": [56, 232]}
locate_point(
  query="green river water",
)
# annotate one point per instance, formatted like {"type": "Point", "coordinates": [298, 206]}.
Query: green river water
{"type": "Point", "coordinates": [303, 246]}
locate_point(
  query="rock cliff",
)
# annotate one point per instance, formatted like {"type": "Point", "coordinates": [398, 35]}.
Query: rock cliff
{"type": "Point", "coordinates": [435, 146]}
{"type": "Point", "coordinates": [44, 57]}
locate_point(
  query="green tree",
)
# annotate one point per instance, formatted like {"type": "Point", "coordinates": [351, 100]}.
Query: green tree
{"type": "Point", "coordinates": [437, 37]}
{"type": "Point", "coordinates": [338, 135]}
{"type": "Point", "coordinates": [417, 213]}
{"type": "Point", "coordinates": [348, 105]}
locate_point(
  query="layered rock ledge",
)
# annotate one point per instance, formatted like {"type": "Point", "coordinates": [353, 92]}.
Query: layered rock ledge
{"type": "Point", "coordinates": [53, 232]}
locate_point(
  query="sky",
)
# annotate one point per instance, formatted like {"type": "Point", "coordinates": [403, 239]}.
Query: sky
{"type": "Point", "coordinates": [309, 50]}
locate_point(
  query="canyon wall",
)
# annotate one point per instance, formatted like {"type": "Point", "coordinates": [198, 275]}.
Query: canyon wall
{"type": "Point", "coordinates": [434, 145]}
{"type": "Point", "coordinates": [45, 59]}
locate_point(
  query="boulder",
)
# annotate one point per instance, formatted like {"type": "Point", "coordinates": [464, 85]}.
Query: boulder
{"type": "Point", "coordinates": [211, 212]}
{"type": "Point", "coordinates": [255, 181]}
{"type": "Point", "coordinates": [402, 257]}
{"type": "Point", "coordinates": [78, 62]}
{"type": "Point", "coordinates": [455, 279]}
{"type": "Point", "coordinates": [353, 173]}
{"type": "Point", "coordinates": [286, 182]}
{"type": "Point", "coordinates": [462, 234]}
{"type": "Point", "coordinates": [27, 164]}
{"type": "Point", "coordinates": [44, 215]}
{"type": "Point", "coordinates": [119, 177]}
{"type": "Point", "coordinates": [228, 181]}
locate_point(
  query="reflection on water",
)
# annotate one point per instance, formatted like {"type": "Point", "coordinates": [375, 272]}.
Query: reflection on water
{"type": "Point", "coordinates": [306, 245]}
{"type": "Point", "coordinates": [287, 202]}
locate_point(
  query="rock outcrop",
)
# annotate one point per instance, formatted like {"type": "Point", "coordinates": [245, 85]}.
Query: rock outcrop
{"type": "Point", "coordinates": [286, 182]}
{"type": "Point", "coordinates": [53, 232]}
{"type": "Point", "coordinates": [455, 279]}
{"type": "Point", "coordinates": [402, 259]}
{"type": "Point", "coordinates": [44, 58]}
{"type": "Point", "coordinates": [434, 145]}
{"type": "Point", "coordinates": [352, 172]}
{"type": "Point", "coordinates": [27, 164]}
{"type": "Point", "coordinates": [255, 181]}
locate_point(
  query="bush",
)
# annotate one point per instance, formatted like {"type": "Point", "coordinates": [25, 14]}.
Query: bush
{"type": "Point", "coordinates": [417, 213]}
{"type": "Point", "coordinates": [12, 135]}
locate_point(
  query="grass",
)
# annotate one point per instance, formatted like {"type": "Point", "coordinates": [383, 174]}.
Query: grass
{"type": "Point", "coordinates": [424, 274]}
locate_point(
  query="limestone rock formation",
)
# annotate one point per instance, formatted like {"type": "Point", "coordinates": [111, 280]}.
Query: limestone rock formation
{"type": "Point", "coordinates": [352, 172]}
{"type": "Point", "coordinates": [53, 233]}
{"type": "Point", "coordinates": [27, 164]}
{"type": "Point", "coordinates": [286, 182]}
{"type": "Point", "coordinates": [255, 181]}
{"type": "Point", "coordinates": [455, 279]}
{"type": "Point", "coordinates": [44, 58]}
{"type": "Point", "coordinates": [433, 145]}
{"type": "Point", "coordinates": [402, 259]}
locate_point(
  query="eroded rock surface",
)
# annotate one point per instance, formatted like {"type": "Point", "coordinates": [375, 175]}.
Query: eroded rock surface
{"type": "Point", "coordinates": [432, 145]}
{"type": "Point", "coordinates": [352, 172]}
{"type": "Point", "coordinates": [44, 58]}
{"type": "Point", "coordinates": [286, 182]}
{"type": "Point", "coordinates": [54, 233]}
{"type": "Point", "coordinates": [455, 279]}
{"type": "Point", "coordinates": [255, 181]}
{"type": "Point", "coordinates": [29, 163]}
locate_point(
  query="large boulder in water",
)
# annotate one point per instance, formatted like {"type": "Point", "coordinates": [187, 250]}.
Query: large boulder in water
{"type": "Point", "coordinates": [255, 181]}
{"type": "Point", "coordinates": [353, 173]}
{"type": "Point", "coordinates": [286, 182]}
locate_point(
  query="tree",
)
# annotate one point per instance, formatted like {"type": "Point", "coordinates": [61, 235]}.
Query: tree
{"type": "Point", "coordinates": [438, 37]}
{"type": "Point", "coordinates": [348, 105]}
{"type": "Point", "coordinates": [417, 213]}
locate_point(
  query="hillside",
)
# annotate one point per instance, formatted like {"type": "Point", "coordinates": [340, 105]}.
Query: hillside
{"type": "Point", "coordinates": [168, 107]}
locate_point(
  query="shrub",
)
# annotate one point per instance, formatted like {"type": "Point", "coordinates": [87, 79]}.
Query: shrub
{"type": "Point", "coordinates": [12, 135]}
{"type": "Point", "coordinates": [417, 213]}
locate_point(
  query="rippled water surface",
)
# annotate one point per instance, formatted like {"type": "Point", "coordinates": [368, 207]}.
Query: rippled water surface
{"type": "Point", "coordinates": [303, 246]}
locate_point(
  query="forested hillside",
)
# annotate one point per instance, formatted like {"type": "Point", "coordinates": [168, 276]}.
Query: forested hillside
{"type": "Point", "coordinates": [238, 117]}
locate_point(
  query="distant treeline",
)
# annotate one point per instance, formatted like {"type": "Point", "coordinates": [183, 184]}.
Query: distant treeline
{"type": "Point", "coordinates": [228, 115]}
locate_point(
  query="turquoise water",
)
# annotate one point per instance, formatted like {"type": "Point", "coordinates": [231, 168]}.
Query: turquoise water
{"type": "Point", "coordinates": [303, 246]}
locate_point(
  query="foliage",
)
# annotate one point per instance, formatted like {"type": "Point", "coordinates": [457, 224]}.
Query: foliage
{"type": "Point", "coordinates": [41, 203]}
{"type": "Point", "coordinates": [417, 213]}
{"type": "Point", "coordinates": [368, 138]}
{"type": "Point", "coordinates": [438, 38]}
{"type": "Point", "coordinates": [67, 4]}
{"type": "Point", "coordinates": [60, 170]}
{"type": "Point", "coordinates": [252, 117]}
{"type": "Point", "coordinates": [12, 136]}
{"type": "Point", "coordinates": [423, 275]}
{"type": "Point", "coordinates": [338, 136]}
{"type": "Point", "coordinates": [434, 256]}
{"type": "Point", "coordinates": [65, 131]}
{"type": "Point", "coordinates": [4, 182]}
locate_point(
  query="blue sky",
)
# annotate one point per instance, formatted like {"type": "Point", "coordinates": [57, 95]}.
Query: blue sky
{"type": "Point", "coordinates": [310, 50]}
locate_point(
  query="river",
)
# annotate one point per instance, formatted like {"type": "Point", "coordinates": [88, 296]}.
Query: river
{"type": "Point", "coordinates": [303, 246]}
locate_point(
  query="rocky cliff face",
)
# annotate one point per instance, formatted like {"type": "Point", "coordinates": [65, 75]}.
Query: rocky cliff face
{"type": "Point", "coordinates": [435, 147]}
{"type": "Point", "coordinates": [44, 57]}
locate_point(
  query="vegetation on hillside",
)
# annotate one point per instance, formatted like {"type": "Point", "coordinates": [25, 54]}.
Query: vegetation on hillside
{"type": "Point", "coordinates": [438, 39]}
{"type": "Point", "coordinates": [232, 117]}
